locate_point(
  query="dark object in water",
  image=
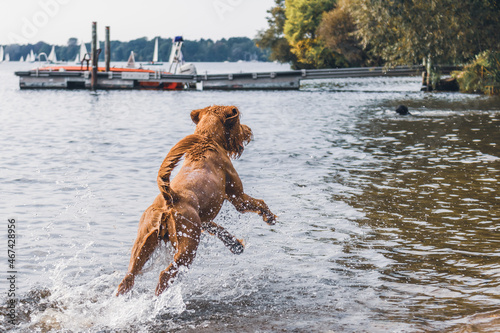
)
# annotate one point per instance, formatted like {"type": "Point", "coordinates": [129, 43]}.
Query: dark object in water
{"type": "Point", "coordinates": [402, 110]}
{"type": "Point", "coordinates": [448, 84]}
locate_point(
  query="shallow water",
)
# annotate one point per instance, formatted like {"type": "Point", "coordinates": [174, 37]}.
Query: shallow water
{"type": "Point", "coordinates": [387, 223]}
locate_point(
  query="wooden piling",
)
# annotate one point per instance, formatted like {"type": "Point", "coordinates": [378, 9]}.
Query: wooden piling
{"type": "Point", "coordinates": [107, 51]}
{"type": "Point", "coordinates": [429, 73]}
{"type": "Point", "coordinates": [94, 55]}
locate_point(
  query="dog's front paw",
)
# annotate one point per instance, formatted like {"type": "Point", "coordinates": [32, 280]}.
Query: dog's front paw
{"type": "Point", "coordinates": [126, 284]}
{"type": "Point", "coordinates": [237, 247]}
{"type": "Point", "coordinates": [269, 218]}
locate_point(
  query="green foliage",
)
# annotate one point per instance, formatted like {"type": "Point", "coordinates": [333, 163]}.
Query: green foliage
{"type": "Point", "coordinates": [405, 32]}
{"type": "Point", "coordinates": [303, 18]}
{"type": "Point", "coordinates": [337, 30]}
{"type": "Point", "coordinates": [482, 75]}
{"type": "Point", "coordinates": [312, 34]}
{"type": "Point", "coordinates": [232, 49]}
{"type": "Point", "coordinates": [273, 38]}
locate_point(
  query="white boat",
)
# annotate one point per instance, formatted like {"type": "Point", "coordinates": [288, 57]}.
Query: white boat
{"type": "Point", "coordinates": [131, 60]}
{"type": "Point", "coordinates": [21, 59]}
{"type": "Point", "coordinates": [32, 57]}
{"type": "Point", "coordinates": [52, 58]}
{"type": "Point", "coordinates": [1, 53]}
{"type": "Point", "coordinates": [177, 63]}
{"type": "Point", "coordinates": [155, 62]}
{"type": "Point", "coordinates": [81, 55]}
{"type": "Point", "coordinates": [176, 58]}
{"type": "Point", "coordinates": [7, 57]}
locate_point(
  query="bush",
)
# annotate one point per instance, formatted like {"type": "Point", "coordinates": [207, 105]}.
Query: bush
{"type": "Point", "coordinates": [482, 75]}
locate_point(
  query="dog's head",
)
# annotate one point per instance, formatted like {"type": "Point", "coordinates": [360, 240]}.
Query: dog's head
{"type": "Point", "coordinates": [222, 123]}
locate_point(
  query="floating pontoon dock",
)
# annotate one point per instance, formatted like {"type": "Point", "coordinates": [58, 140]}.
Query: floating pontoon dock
{"type": "Point", "coordinates": [150, 79]}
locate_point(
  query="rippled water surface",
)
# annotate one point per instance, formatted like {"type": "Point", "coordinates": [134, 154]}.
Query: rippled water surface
{"type": "Point", "coordinates": [387, 223]}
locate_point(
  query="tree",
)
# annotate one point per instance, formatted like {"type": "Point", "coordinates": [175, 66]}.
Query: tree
{"type": "Point", "coordinates": [310, 34]}
{"type": "Point", "coordinates": [72, 41]}
{"type": "Point", "coordinates": [481, 25]}
{"type": "Point", "coordinates": [303, 18]}
{"type": "Point", "coordinates": [444, 31]}
{"type": "Point", "coordinates": [337, 31]}
{"type": "Point", "coordinates": [273, 38]}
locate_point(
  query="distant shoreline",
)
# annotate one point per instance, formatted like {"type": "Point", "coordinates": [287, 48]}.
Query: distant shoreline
{"type": "Point", "coordinates": [203, 50]}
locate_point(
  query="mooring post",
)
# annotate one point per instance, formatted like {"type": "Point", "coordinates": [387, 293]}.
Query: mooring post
{"type": "Point", "coordinates": [93, 80]}
{"type": "Point", "coordinates": [429, 73]}
{"type": "Point", "coordinates": [107, 51]}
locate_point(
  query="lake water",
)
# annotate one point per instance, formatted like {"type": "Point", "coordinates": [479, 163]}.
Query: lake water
{"type": "Point", "coordinates": [387, 223]}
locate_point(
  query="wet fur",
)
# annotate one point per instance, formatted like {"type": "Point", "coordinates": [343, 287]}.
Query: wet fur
{"type": "Point", "coordinates": [189, 203]}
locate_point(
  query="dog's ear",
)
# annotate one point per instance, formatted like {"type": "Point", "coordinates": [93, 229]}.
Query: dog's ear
{"type": "Point", "coordinates": [247, 134]}
{"type": "Point", "coordinates": [232, 117]}
{"type": "Point", "coordinates": [195, 115]}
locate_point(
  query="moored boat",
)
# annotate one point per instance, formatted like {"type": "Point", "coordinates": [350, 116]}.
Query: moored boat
{"type": "Point", "coordinates": [81, 55]}
{"type": "Point", "coordinates": [52, 58]}
{"type": "Point", "coordinates": [155, 61]}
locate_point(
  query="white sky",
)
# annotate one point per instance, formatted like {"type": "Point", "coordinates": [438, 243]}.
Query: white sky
{"type": "Point", "coordinates": [54, 21]}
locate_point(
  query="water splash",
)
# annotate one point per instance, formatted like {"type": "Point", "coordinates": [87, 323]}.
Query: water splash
{"type": "Point", "coordinates": [93, 306]}
{"type": "Point", "coordinates": [69, 305]}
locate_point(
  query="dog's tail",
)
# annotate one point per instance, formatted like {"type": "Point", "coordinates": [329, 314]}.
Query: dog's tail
{"type": "Point", "coordinates": [173, 157]}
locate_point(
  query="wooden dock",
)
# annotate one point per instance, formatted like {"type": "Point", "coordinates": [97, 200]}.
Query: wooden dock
{"type": "Point", "coordinates": [280, 80]}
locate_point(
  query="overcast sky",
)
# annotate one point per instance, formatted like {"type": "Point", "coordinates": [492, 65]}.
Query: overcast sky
{"type": "Point", "coordinates": [54, 21]}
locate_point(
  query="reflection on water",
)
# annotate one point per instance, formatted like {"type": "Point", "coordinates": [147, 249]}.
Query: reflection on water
{"type": "Point", "coordinates": [386, 223]}
{"type": "Point", "coordinates": [431, 193]}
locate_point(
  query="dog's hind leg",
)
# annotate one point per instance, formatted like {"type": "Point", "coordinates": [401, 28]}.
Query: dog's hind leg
{"type": "Point", "coordinates": [235, 245]}
{"type": "Point", "coordinates": [145, 244]}
{"type": "Point", "coordinates": [185, 237]}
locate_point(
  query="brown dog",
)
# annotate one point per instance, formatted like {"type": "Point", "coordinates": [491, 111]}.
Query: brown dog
{"type": "Point", "coordinates": [190, 203]}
